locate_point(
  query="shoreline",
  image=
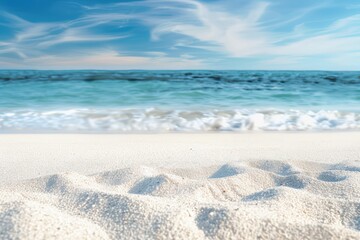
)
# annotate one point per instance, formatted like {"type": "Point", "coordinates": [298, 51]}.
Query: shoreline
{"type": "Point", "coordinates": [26, 156]}
{"type": "Point", "coordinates": [220, 132]}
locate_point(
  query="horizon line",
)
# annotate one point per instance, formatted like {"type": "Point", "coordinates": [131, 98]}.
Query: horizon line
{"type": "Point", "coordinates": [179, 70]}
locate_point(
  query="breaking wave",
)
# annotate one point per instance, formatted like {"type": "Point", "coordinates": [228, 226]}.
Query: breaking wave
{"type": "Point", "coordinates": [160, 120]}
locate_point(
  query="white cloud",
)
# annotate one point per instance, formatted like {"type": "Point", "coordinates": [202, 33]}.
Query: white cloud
{"type": "Point", "coordinates": [104, 59]}
{"type": "Point", "coordinates": [320, 45]}
{"type": "Point", "coordinates": [4, 44]}
{"type": "Point", "coordinates": [39, 36]}
{"type": "Point", "coordinates": [76, 35]}
{"type": "Point", "coordinates": [156, 54]}
{"type": "Point", "coordinates": [209, 26]}
{"type": "Point", "coordinates": [244, 36]}
{"type": "Point", "coordinates": [236, 35]}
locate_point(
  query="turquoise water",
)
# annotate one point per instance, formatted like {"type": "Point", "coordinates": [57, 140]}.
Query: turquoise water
{"type": "Point", "coordinates": [125, 101]}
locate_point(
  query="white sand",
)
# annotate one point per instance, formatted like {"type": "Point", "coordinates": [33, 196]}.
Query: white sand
{"type": "Point", "coordinates": [180, 186]}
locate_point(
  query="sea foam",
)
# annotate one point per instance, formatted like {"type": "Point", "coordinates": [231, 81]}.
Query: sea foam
{"type": "Point", "coordinates": [162, 120]}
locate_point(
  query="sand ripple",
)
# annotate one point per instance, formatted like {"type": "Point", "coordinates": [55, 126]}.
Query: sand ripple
{"type": "Point", "coordinates": [239, 200]}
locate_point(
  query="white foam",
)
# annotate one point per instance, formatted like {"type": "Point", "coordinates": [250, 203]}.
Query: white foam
{"type": "Point", "coordinates": [157, 120]}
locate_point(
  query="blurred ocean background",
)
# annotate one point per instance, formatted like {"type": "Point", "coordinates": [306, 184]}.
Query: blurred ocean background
{"type": "Point", "coordinates": [178, 101]}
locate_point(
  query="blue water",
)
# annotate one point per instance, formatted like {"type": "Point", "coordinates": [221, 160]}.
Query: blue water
{"type": "Point", "coordinates": [130, 101]}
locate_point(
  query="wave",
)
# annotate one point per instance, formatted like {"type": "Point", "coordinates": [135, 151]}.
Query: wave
{"type": "Point", "coordinates": [162, 120]}
{"type": "Point", "coordinates": [269, 77]}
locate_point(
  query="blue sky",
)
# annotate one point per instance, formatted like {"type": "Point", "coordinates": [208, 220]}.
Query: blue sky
{"type": "Point", "coordinates": [180, 34]}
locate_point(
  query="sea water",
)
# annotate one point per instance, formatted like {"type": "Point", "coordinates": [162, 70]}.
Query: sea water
{"type": "Point", "coordinates": [181, 101]}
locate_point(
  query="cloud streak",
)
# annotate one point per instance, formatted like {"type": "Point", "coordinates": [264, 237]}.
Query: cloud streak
{"type": "Point", "coordinates": [39, 36]}
{"type": "Point", "coordinates": [251, 31]}
{"type": "Point", "coordinates": [105, 59]}
{"type": "Point", "coordinates": [244, 36]}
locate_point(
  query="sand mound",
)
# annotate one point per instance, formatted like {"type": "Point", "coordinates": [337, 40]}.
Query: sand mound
{"type": "Point", "coordinates": [239, 200]}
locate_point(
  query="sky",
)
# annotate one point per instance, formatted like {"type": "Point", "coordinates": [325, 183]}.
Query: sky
{"type": "Point", "coordinates": [180, 34]}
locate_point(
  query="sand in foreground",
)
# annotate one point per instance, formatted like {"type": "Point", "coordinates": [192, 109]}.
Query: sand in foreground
{"type": "Point", "coordinates": [181, 186]}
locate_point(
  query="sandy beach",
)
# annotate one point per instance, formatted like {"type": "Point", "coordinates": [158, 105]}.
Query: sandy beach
{"type": "Point", "coordinates": [179, 119]}
{"type": "Point", "coordinates": [180, 186]}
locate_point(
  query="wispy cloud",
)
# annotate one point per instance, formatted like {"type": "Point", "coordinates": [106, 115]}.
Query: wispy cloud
{"type": "Point", "coordinates": [39, 36]}
{"type": "Point", "coordinates": [255, 30]}
{"type": "Point", "coordinates": [104, 59]}
{"type": "Point", "coordinates": [76, 35]}
{"type": "Point", "coordinates": [238, 36]}
{"type": "Point", "coordinates": [244, 36]}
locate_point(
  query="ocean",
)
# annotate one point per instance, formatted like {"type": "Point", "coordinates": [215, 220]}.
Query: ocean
{"type": "Point", "coordinates": [178, 101]}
